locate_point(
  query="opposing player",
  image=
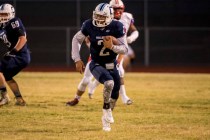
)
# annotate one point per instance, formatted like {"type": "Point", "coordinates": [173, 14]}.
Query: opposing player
{"type": "Point", "coordinates": [128, 21]}
{"type": "Point", "coordinates": [84, 82]}
{"type": "Point", "coordinates": [13, 35]}
{"type": "Point", "coordinates": [103, 55]}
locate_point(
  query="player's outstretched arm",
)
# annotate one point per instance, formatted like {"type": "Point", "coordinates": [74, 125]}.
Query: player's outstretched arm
{"type": "Point", "coordinates": [76, 45]}
{"type": "Point", "coordinates": [80, 66]}
{"type": "Point", "coordinates": [134, 34]}
{"type": "Point", "coordinates": [122, 47]}
{"type": "Point", "coordinates": [21, 42]}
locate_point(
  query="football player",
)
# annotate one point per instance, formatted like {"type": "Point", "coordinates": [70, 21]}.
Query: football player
{"type": "Point", "coordinates": [85, 80]}
{"type": "Point", "coordinates": [13, 35]}
{"type": "Point", "coordinates": [103, 55]}
{"type": "Point", "coordinates": [127, 19]}
{"type": "Point", "coordinates": [123, 60]}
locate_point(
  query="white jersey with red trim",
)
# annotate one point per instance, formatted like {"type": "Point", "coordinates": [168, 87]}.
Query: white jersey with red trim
{"type": "Point", "coordinates": [126, 19]}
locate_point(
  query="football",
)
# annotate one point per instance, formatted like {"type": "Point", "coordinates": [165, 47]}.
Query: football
{"type": "Point", "coordinates": [114, 40]}
{"type": "Point", "coordinates": [107, 38]}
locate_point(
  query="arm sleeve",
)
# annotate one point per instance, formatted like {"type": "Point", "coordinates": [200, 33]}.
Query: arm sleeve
{"type": "Point", "coordinates": [76, 45]}
{"type": "Point", "coordinates": [133, 36]}
{"type": "Point", "coordinates": [122, 48]}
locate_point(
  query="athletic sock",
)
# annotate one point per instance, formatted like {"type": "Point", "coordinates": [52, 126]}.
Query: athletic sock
{"type": "Point", "coordinates": [77, 97]}
{"type": "Point", "coordinates": [3, 90]}
{"type": "Point", "coordinates": [17, 94]}
{"type": "Point", "coordinates": [106, 106]}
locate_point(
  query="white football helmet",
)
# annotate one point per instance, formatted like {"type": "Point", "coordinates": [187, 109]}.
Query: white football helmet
{"type": "Point", "coordinates": [7, 12]}
{"type": "Point", "coordinates": [102, 15]}
{"type": "Point", "coordinates": [117, 4]}
{"type": "Point", "coordinates": [118, 7]}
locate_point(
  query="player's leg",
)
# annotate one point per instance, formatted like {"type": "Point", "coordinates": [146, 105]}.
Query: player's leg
{"type": "Point", "coordinates": [81, 87]}
{"type": "Point", "coordinates": [126, 62]}
{"type": "Point", "coordinates": [14, 86]}
{"type": "Point", "coordinates": [15, 89]}
{"type": "Point", "coordinates": [115, 91]}
{"type": "Point", "coordinates": [104, 77]}
{"type": "Point", "coordinates": [92, 86]}
{"type": "Point", "coordinates": [12, 67]}
{"type": "Point", "coordinates": [124, 97]}
{"type": "Point", "coordinates": [128, 58]}
{"type": "Point", "coordinates": [114, 96]}
{"type": "Point", "coordinates": [106, 125]}
{"type": "Point", "coordinates": [3, 91]}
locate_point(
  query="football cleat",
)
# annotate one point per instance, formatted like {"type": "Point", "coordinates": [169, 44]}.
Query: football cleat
{"type": "Point", "coordinates": [5, 99]}
{"type": "Point", "coordinates": [107, 114]}
{"type": "Point", "coordinates": [129, 102]}
{"type": "Point", "coordinates": [106, 125]}
{"type": "Point", "coordinates": [72, 102]}
{"type": "Point", "coordinates": [20, 102]}
{"type": "Point", "coordinates": [90, 96]}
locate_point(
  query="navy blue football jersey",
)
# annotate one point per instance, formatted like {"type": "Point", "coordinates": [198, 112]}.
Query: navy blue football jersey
{"type": "Point", "coordinates": [14, 29]}
{"type": "Point", "coordinates": [98, 52]}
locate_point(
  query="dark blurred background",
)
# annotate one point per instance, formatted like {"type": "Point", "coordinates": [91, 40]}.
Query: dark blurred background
{"type": "Point", "coordinates": [172, 32]}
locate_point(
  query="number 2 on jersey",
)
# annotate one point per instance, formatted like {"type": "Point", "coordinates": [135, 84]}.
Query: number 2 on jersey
{"type": "Point", "coordinates": [102, 52]}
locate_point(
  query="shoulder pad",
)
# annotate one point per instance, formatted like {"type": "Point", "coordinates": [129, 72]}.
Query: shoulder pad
{"type": "Point", "coordinates": [128, 15]}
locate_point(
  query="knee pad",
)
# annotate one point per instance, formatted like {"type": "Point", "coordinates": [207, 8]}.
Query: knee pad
{"type": "Point", "coordinates": [108, 87]}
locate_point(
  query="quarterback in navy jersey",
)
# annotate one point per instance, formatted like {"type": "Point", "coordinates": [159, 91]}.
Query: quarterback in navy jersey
{"type": "Point", "coordinates": [103, 54]}
{"type": "Point", "coordinates": [13, 35]}
{"type": "Point", "coordinates": [98, 53]}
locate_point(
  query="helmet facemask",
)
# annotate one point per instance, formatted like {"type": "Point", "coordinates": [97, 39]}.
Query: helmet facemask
{"type": "Point", "coordinates": [118, 7]}
{"type": "Point", "coordinates": [103, 15]}
{"type": "Point", "coordinates": [118, 13]}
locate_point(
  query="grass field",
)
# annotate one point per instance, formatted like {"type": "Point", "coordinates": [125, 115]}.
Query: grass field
{"type": "Point", "coordinates": [166, 107]}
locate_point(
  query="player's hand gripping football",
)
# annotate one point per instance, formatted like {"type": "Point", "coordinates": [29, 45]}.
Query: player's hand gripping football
{"type": "Point", "coordinates": [107, 40]}
{"type": "Point", "coordinates": [80, 66]}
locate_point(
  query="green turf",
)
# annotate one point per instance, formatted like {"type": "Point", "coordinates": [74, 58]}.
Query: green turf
{"type": "Point", "coordinates": [166, 107]}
